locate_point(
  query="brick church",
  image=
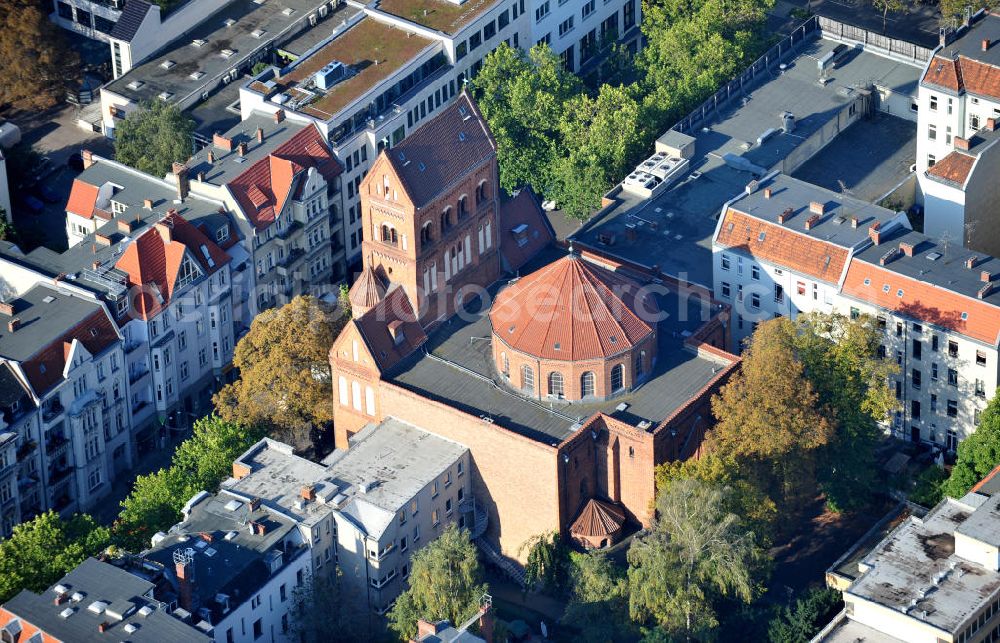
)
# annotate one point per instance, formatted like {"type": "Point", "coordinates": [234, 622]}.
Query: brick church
{"type": "Point", "coordinates": [569, 376]}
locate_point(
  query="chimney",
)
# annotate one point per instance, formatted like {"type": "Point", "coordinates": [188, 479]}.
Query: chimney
{"type": "Point", "coordinates": [254, 504]}
{"type": "Point", "coordinates": [102, 240]}
{"type": "Point", "coordinates": [812, 221]}
{"type": "Point", "coordinates": [986, 44]}
{"type": "Point", "coordinates": [166, 233]}
{"type": "Point", "coordinates": [308, 492]}
{"type": "Point", "coordinates": [13, 324]}
{"type": "Point", "coordinates": [985, 275]}
{"type": "Point", "coordinates": [241, 149]}
{"type": "Point", "coordinates": [942, 37]}
{"type": "Point", "coordinates": [971, 261]}
{"type": "Point", "coordinates": [206, 536]}
{"type": "Point", "coordinates": [425, 628]}
{"type": "Point", "coordinates": [874, 233]}
{"type": "Point", "coordinates": [906, 248]}
{"type": "Point", "coordinates": [279, 116]}
{"type": "Point", "coordinates": [59, 599]}
{"type": "Point", "coordinates": [147, 203]}
{"type": "Point", "coordinates": [891, 254]}
{"type": "Point", "coordinates": [88, 158]}
{"type": "Point", "coordinates": [817, 208]}
{"type": "Point", "coordinates": [767, 193]}
{"type": "Point", "coordinates": [260, 135]}
{"type": "Point", "coordinates": [201, 177]}
{"type": "Point", "coordinates": [124, 226]}
{"type": "Point", "coordinates": [991, 124]}
{"type": "Point", "coordinates": [222, 142]}
{"type": "Point", "coordinates": [184, 568]}
{"type": "Point", "coordinates": [259, 528]}
{"type": "Point", "coordinates": [785, 216]}
{"type": "Point", "coordinates": [95, 265]}
{"type": "Point", "coordinates": [486, 624]}
{"type": "Point", "coordinates": [985, 291]}
{"type": "Point", "coordinates": [961, 143]}
{"type": "Point", "coordinates": [211, 156]}
{"type": "Point", "coordinates": [183, 180]}
{"type": "Point", "coordinates": [7, 308]}
{"type": "Point", "coordinates": [103, 626]}
{"type": "Point", "coordinates": [854, 222]}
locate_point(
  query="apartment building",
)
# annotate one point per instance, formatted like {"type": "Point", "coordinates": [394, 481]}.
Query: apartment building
{"type": "Point", "coordinates": [96, 601]}
{"type": "Point", "coordinates": [366, 510]}
{"type": "Point", "coordinates": [278, 178]}
{"type": "Point", "coordinates": [579, 31]}
{"type": "Point", "coordinates": [65, 401]}
{"type": "Point", "coordinates": [932, 578]}
{"type": "Point", "coordinates": [958, 108]}
{"type": "Point", "coordinates": [786, 246]}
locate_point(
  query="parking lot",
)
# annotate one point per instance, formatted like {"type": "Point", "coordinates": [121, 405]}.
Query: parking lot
{"type": "Point", "coordinates": [53, 134]}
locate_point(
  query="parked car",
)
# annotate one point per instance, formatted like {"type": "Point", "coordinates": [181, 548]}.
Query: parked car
{"type": "Point", "coordinates": [75, 161]}
{"type": "Point", "coordinates": [32, 204]}
{"type": "Point", "coordinates": [47, 194]}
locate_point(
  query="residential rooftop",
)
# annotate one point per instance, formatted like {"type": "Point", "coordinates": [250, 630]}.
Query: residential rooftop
{"type": "Point", "coordinates": [456, 368]}
{"type": "Point", "coordinates": [440, 15]}
{"type": "Point", "coordinates": [916, 571]}
{"type": "Point", "coordinates": [310, 40]}
{"type": "Point", "coordinates": [373, 51]}
{"type": "Point", "coordinates": [195, 62]}
{"type": "Point", "coordinates": [126, 606]}
{"type": "Point", "coordinates": [46, 314]}
{"type": "Point", "coordinates": [386, 466]}
{"type": "Point", "coordinates": [955, 168]}
{"type": "Point", "coordinates": [685, 213]}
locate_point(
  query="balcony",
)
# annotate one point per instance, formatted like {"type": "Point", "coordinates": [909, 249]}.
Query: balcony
{"type": "Point", "coordinates": [379, 557]}
{"type": "Point", "coordinates": [292, 228]}
{"type": "Point", "coordinates": [132, 345]}
{"type": "Point", "coordinates": [136, 375]}
{"type": "Point", "coordinates": [59, 475]}
{"type": "Point", "coordinates": [52, 411]}
{"type": "Point", "coordinates": [55, 445]}
{"type": "Point", "coordinates": [26, 449]}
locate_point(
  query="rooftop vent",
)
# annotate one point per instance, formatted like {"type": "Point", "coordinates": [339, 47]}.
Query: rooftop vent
{"type": "Point", "coordinates": [331, 74]}
{"type": "Point", "coordinates": [287, 11]}
{"type": "Point", "coordinates": [227, 53]}
{"type": "Point", "coordinates": [165, 96]}
{"type": "Point", "coordinates": [258, 33]}
{"type": "Point", "coordinates": [196, 75]}
{"type": "Point", "coordinates": [135, 84]}
{"type": "Point", "coordinates": [198, 42]}
{"type": "Point", "coordinates": [97, 607]}
{"type": "Point", "coordinates": [230, 535]}
{"type": "Point", "coordinates": [130, 628]}
{"type": "Point", "coordinates": [66, 613]}
{"type": "Point", "coordinates": [167, 64]}
{"type": "Point", "coordinates": [229, 22]}
{"type": "Point", "coordinates": [76, 597]}
{"type": "Point", "coordinates": [145, 611]}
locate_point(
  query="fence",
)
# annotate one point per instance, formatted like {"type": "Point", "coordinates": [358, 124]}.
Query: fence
{"type": "Point", "coordinates": [874, 41]}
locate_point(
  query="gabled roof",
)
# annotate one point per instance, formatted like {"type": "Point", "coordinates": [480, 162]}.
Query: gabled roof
{"type": "Point", "coordinates": [45, 368]}
{"type": "Point", "coordinates": [82, 199]}
{"type": "Point", "coordinates": [964, 75]}
{"type": "Point", "coordinates": [264, 188]}
{"type": "Point", "coordinates": [442, 151]}
{"type": "Point", "coordinates": [395, 310]}
{"type": "Point", "coordinates": [130, 20]}
{"type": "Point", "coordinates": [153, 261]}
{"type": "Point", "coordinates": [524, 229]}
{"type": "Point", "coordinates": [954, 168]}
{"type": "Point", "coordinates": [572, 310]}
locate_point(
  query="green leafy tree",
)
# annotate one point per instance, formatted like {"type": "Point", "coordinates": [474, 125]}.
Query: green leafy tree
{"type": "Point", "coordinates": [840, 358]}
{"type": "Point", "coordinates": [40, 551]}
{"type": "Point", "coordinates": [38, 63]}
{"type": "Point", "coordinates": [696, 552]}
{"type": "Point", "coordinates": [153, 137]}
{"type": "Point", "coordinates": [928, 487]}
{"type": "Point", "coordinates": [978, 454]}
{"type": "Point", "coordinates": [598, 605]}
{"type": "Point", "coordinates": [445, 583]}
{"type": "Point", "coordinates": [885, 7]}
{"type": "Point", "coordinates": [801, 622]}
{"type": "Point", "coordinates": [200, 463]}
{"type": "Point", "coordinates": [548, 563]}
{"type": "Point", "coordinates": [344, 301]}
{"type": "Point", "coordinates": [284, 366]}
{"type": "Point", "coordinates": [7, 230]}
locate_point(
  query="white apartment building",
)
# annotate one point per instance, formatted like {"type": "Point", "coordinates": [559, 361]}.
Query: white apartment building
{"type": "Point", "coordinates": [787, 247]}
{"type": "Point", "coordinates": [958, 107]}
{"type": "Point", "coordinates": [367, 509]}
{"type": "Point", "coordinates": [65, 399]}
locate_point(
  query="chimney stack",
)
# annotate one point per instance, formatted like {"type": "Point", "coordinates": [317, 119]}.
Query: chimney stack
{"type": "Point", "coordinates": [279, 116]}
{"type": "Point", "coordinates": [961, 143]}
{"type": "Point", "coordinates": [211, 156]}
{"type": "Point", "coordinates": [986, 44]}
{"type": "Point", "coordinates": [854, 222]}
{"type": "Point", "coordinates": [103, 626]}
{"type": "Point", "coordinates": [971, 261]}
{"type": "Point", "coordinates": [906, 248]}
{"type": "Point", "coordinates": [308, 492]}
{"type": "Point", "coordinates": [874, 233]}
{"type": "Point", "coordinates": [165, 231]}
{"type": "Point", "coordinates": [102, 240]}
{"type": "Point", "coordinates": [183, 181]}
{"type": "Point", "coordinates": [13, 324]}
{"type": "Point", "coordinates": [241, 149]}
{"type": "Point", "coordinates": [88, 158]}
{"type": "Point", "coordinates": [254, 504]}
{"type": "Point", "coordinates": [222, 142]}
{"type": "Point", "coordinates": [260, 134]}
{"type": "Point", "coordinates": [124, 226]}
{"type": "Point", "coordinates": [817, 208]}
{"type": "Point", "coordinates": [147, 203]}
{"type": "Point", "coordinates": [7, 308]}
{"type": "Point", "coordinates": [785, 216]}
{"type": "Point", "coordinates": [991, 124]}
{"type": "Point", "coordinates": [985, 291]}
{"type": "Point", "coordinates": [184, 568]}
{"type": "Point", "coordinates": [767, 193]}
{"type": "Point", "coordinates": [985, 275]}
{"type": "Point", "coordinates": [201, 177]}
{"type": "Point", "coordinates": [812, 221]}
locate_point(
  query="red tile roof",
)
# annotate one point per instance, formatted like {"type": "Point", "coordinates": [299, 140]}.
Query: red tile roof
{"type": "Point", "coordinates": [782, 246]}
{"type": "Point", "coordinates": [924, 301]}
{"type": "Point", "coordinates": [45, 368]}
{"type": "Point", "coordinates": [954, 168]}
{"type": "Point", "coordinates": [82, 199]}
{"type": "Point", "coordinates": [153, 262]}
{"type": "Point", "coordinates": [525, 210]}
{"type": "Point", "coordinates": [374, 328]}
{"type": "Point", "coordinates": [964, 74]}
{"type": "Point", "coordinates": [571, 310]}
{"type": "Point", "coordinates": [264, 188]}
{"type": "Point", "coordinates": [28, 630]}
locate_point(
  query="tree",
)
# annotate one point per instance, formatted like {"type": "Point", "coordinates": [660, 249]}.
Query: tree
{"type": "Point", "coordinates": [547, 566]}
{"type": "Point", "coordinates": [840, 358]}
{"type": "Point", "coordinates": [696, 551]}
{"type": "Point", "coordinates": [7, 230]}
{"type": "Point", "coordinates": [978, 454]}
{"type": "Point", "coordinates": [200, 463]}
{"type": "Point", "coordinates": [885, 6]}
{"type": "Point", "coordinates": [928, 487]}
{"type": "Point", "coordinates": [284, 366]}
{"type": "Point", "coordinates": [38, 64]}
{"type": "Point", "coordinates": [321, 613]}
{"type": "Point", "coordinates": [40, 551]}
{"type": "Point", "coordinates": [153, 137]}
{"type": "Point", "coordinates": [598, 605]}
{"type": "Point", "coordinates": [445, 583]}
{"type": "Point", "coordinates": [768, 415]}
{"type": "Point", "coordinates": [809, 615]}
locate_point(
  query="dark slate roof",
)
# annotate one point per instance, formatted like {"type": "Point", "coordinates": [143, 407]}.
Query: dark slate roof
{"type": "Point", "coordinates": [11, 388]}
{"type": "Point", "coordinates": [442, 151]}
{"type": "Point", "coordinates": [99, 581]}
{"type": "Point", "coordinates": [128, 23]}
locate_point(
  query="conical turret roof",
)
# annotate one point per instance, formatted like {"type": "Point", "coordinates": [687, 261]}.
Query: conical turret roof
{"type": "Point", "coordinates": [367, 291]}
{"type": "Point", "coordinates": [598, 519]}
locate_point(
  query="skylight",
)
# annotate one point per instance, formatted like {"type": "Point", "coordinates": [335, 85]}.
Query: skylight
{"type": "Point", "coordinates": [167, 64]}
{"type": "Point", "coordinates": [198, 42]}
